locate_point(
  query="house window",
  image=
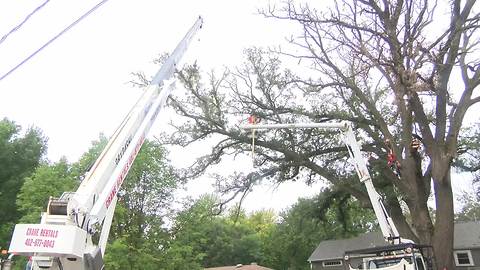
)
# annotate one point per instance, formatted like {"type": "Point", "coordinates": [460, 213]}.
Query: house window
{"type": "Point", "coordinates": [463, 258]}
{"type": "Point", "coordinates": [332, 263]}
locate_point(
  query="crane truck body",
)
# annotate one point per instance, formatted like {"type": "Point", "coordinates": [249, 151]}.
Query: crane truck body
{"type": "Point", "coordinates": [400, 253]}
{"type": "Point", "coordinates": [64, 239]}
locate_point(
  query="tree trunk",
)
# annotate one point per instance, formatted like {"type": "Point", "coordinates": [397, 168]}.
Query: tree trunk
{"type": "Point", "coordinates": [422, 223]}
{"type": "Point", "coordinates": [443, 235]}
{"type": "Point", "coordinates": [417, 198]}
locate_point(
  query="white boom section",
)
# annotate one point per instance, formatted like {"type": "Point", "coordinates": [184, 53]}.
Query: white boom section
{"type": "Point", "coordinates": [101, 185]}
{"type": "Point", "coordinates": [390, 232]}
{"type": "Point", "coordinates": [63, 240]}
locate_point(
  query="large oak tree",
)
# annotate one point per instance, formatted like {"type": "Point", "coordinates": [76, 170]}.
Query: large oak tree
{"type": "Point", "coordinates": [421, 55]}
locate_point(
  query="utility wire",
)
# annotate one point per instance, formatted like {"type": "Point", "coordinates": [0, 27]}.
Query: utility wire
{"type": "Point", "coordinates": [24, 21]}
{"type": "Point", "coordinates": [54, 38]}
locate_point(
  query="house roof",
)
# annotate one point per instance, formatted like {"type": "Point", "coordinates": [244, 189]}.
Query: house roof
{"type": "Point", "coordinates": [466, 235]}
{"type": "Point", "coordinates": [252, 266]}
{"type": "Point", "coordinates": [334, 249]}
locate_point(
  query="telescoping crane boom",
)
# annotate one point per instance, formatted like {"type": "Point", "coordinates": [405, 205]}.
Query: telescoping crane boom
{"type": "Point", "coordinates": [64, 238]}
{"type": "Point", "coordinates": [400, 254]}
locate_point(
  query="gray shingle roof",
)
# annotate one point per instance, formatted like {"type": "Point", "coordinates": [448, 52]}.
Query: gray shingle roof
{"type": "Point", "coordinates": [467, 235]}
{"type": "Point", "coordinates": [334, 249]}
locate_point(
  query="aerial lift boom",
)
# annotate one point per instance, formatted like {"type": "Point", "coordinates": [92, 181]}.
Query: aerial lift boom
{"type": "Point", "coordinates": [400, 254]}
{"type": "Point", "coordinates": [64, 238]}
{"type": "Point", "coordinates": [389, 231]}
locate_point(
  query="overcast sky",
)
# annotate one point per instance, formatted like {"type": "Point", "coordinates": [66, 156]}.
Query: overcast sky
{"type": "Point", "coordinates": [76, 88]}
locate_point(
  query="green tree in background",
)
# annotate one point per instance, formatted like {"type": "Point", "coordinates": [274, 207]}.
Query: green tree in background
{"type": "Point", "coordinates": [214, 240]}
{"type": "Point", "coordinates": [188, 240]}
{"type": "Point", "coordinates": [328, 215]}
{"type": "Point", "coordinates": [262, 221]}
{"type": "Point", "coordinates": [86, 161]}
{"type": "Point", "coordinates": [20, 154]}
{"type": "Point", "coordinates": [47, 181]}
{"type": "Point", "coordinates": [137, 234]}
{"type": "Point", "coordinates": [52, 180]}
{"type": "Point", "coordinates": [202, 238]}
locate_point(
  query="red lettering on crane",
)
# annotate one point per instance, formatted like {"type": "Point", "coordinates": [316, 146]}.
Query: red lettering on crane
{"type": "Point", "coordinates": [38, 237]}
{"type": "Point", "coordinates": [49, 233]}
{"type": "Point", "coordinates": [32, 231]}
{"type": "Point", "coordinates": [124, 172]}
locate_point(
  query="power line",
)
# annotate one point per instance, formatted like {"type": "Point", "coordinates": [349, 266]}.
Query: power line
{"type": "Point", "coordinates": [23, 22]}
{"type": "Point", "coordinates": [54, 38]}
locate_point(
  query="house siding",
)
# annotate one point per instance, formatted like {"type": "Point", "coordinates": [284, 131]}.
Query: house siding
{"type": "Point", "coordinates": [318, 265]}
{"type": "Point", "coordinates": [476, 260]}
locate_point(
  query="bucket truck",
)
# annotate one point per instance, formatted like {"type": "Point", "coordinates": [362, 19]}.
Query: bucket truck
{"type": "Point", "coordinates": [400, 253]}
{"type": "Point", "coordinates": [73, 231]}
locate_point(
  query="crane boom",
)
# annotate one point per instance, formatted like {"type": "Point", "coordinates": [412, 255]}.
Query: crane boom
{"type": "Point", "coordinates": [63, 239]}
{"type": "Point", "coordinates": [389, 231]}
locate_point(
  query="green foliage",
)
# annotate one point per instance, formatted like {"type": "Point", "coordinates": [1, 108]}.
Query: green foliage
{"type": "Point", "coordinates": [86, 161]}
{"type": "Point", "coordinates": [20, 154]}
{"type": "Point", "coordinates": [52, 180]}
{"type": "Point", "coordinates": [117, 256]}
{"type": "Point", "coordinates": [147, 190]}
{"type": "Point", "coordinates": [262, 222]}
{"type": "Point", "coordinates": [19, 262]}
{"type": "Point", "coordinates": [195, 213]}
{"type": "Point", "coordinates": [47, 181]}
{"type": "Point", "coordinates": [180, 257]}
{"type": "Point", "coordinates": [123, 254]}
{"type": "Point", "coordinates": [229, 244]}
{"type": "Point", "coordinates": [138, 234]}
{"type": "Point", "coordinates": [237, 237]}
{"type": "Point", "coordinates": [217, 240]}
{"type": "Point", "coordinates": [310, 221]}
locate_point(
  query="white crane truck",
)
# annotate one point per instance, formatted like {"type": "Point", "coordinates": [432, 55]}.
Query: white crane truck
{"type": "Point", "coordinates": [400, 253]}
{"type": "Point", "coordinates": [64, 239]}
